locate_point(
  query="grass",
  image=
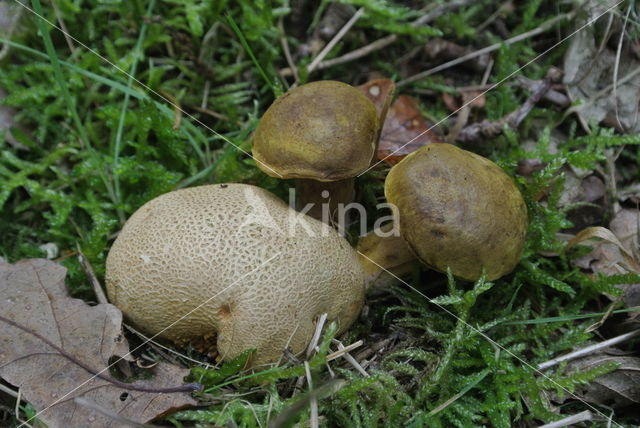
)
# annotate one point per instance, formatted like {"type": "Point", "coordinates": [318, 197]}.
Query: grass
{"type": "Point", "coordinates": [101, 143]}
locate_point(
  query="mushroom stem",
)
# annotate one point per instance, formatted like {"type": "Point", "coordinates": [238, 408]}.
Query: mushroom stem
{"type": "Point", "coordinates": [324, 197]}
{"type": "Point", "coordinates": [384, 256]}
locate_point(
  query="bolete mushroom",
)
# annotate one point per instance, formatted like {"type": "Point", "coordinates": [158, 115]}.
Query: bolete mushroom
{"type": "Point", "coordinates": [321, 134]}
{"type": "Point", "coordinates": [233, 266]}
{"type": "Point", "coordinates": [458, 210]}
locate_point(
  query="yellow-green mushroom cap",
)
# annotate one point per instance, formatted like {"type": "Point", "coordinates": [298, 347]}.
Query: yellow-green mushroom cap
{"type": "Point", "coordinates": [324, 131]}
{"type": "Point", "coordinates": [458, 210]}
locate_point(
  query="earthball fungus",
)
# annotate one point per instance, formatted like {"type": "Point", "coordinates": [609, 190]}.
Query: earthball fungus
{"type": "Point", "coordinates": [232, 267]}
{"type": "Point", "coordinates": [458, 210]}
{"type": "Point", "coordinates": [322, 134]}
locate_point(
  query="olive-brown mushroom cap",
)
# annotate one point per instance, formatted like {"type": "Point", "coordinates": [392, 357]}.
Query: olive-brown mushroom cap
{"type": "Point", "coordinates": [324, 131]}
{"type": "Point", "coordinates": [261, 272]}
{"type": "Point", "coordinates": [458, 210]}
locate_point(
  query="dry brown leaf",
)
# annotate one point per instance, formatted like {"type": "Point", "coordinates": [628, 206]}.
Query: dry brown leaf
{"type": "Point", "coordinates": [626, 260]}
{"type": "Point", "coordinates": [380, 92]}
{"type": "Point", "coordinates": [619, 388]}
{"type": "Point", "coordinates": [591, 74]}
{"type": "Point", "coordinates": [405, 130]}
{"type": "Point", "coordinates": [36, 308]}
{"type": "Point", "coordinates": [617, 253]}
{"type": "Point", "coordinates": [475, 99]}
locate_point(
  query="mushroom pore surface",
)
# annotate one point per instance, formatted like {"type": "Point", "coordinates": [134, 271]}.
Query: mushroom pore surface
{"type": "Point", "coordinates": [260, 272]}
{"type": "Point", "coordinates": [458, 210]}
{"type": "Point", "coordinates": [325, 131]}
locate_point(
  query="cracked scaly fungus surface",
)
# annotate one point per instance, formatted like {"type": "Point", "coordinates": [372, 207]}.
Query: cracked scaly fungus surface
{"type": "Point", "coordinates": [235, 265]}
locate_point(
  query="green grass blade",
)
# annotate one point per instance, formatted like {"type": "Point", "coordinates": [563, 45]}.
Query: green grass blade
{"type": "Point", "coordinates": [57, 70]}
{"type": "Point", "coordinates": [275, 85]}
{"type": "Point", "coordinates": [123, 111]}
{"type": "Point", "coordinates": [570, 317]}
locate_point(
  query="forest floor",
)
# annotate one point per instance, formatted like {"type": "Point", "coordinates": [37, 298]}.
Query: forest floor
{"type": "Point", "coordinates": [105, 105]}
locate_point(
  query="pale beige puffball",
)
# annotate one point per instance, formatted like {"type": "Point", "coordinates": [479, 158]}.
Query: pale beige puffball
{"type": "Point", "coordinates": [260, 272]}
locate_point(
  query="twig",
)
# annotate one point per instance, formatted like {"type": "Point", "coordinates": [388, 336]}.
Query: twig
{"type": "Point", "coordinates": [589, 349]}
{"type": "Point", "coordinates": [166, 348]}
{"type": "Point", "coordinates": [385, 41]}
{"type": "Point", "coordinates": [205, 95]}
{"type": "Point", "coordinates": [616, 66]}
{"type": "Point", "coordinates": [287, 52]}
{"type": "Point", "coordinates": [376, 347]}
{"type": "Point", "coordinates": [552, 95]}
{"type": "Point", "coordinates": [211, 113]}
{"type": "Point", "coordinates": [177, 110]}
{"type": "Point", "coordinates": [488, 129]}
{"type": "Point", "coordinates": [63, 26]}
{"type": "Point", "coordinates": [344, 350]}
{"type": "Point", "coordinates": [313, 402]}
{"type": "Point", "coordinates": [353, 55]}
{"type": "Point", "coordinates": [8, 391]}
{"type": "Point", "coordinates": [322, 319]}
{"type": "Point", "coordinates": [438, 12]}
{"type": "Point", "coordinates": [286, 416]}
{"type": "Point", "coordinates": [520, 37]}
{"type": "Point", "coordinates": [187, 387]}
{"type": "Point", "coordinates": [91, 276]}
{"type": "Point", "coordinates": [17, 411]}
{"type": "Point", "coordinates": [311, 67]}
{"type": "Point", "coordinates": [350, 359]}
{"type": "Point", "coordinates": [579, 417]}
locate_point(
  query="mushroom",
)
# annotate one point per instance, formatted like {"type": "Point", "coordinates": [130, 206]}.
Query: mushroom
{"type": "Point", "coordinates": [231, 267]}
{"type": "Point", "coordinates": [459, 211]}
{"type": "Point", "coordinates": [321, 134]}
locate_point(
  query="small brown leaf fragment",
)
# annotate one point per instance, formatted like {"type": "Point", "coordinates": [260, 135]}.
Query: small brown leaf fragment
{"type": "Point", "coordinates": [472, 98]}
{"type": "Point", "coordinates": [405, 130]}
{"type": "Point", "coordinates": [380, 92]}
{"type": "Point", "coordinates": [619, 388]}
{"type": "Point", "coordinates": [617, 253]}
{"type": "Point", "coordinates": [33, 296]}
{"type": "Point", "coordinates": [527, 167]}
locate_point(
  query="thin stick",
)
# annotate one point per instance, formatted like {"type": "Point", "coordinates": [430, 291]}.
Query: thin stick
{"type": "Point", "coordinates": [316, 335]}
{"type": "Point", "coordinates": [166, 348]}
{"type": "Point", "coordinates": [438, 12]}
{"type": "Point", "coordinates": [205, 95]}
{"type": "Point", "coordinates": [520, 37]}
{"type": "Point", "coordinates": [335, 40]}
{"type": "Point", "coordinates": [177, 111]}
{"type": "Point", "coordinates": [187, 387]}
{"type": "Point", "coordinates": [287, 52]}
{"type": "Point", "coordinates": [17, 411]}
{"type": "Point", "coordinates": [589, 349]}
{"type": "Point", "coordinates": [211, 113]}
{"type": "Point", "coordinates": [344, 350]}
{"type": "Point", "coordinates": [72, 48]}
{"type": "Point", "coordinates": [385, 41]}
{"type": "Point", "coordinates": [350, 359]}
{"type": "Point", "coordinates": [8, 391]}
{"type": "Point", "coordinates": [486, 128]}
{"type": "Point", "coordinates": [93, 279]}
{"type": "Point", "coordinates": [616, 66]}
{"type": "Point", "coordinates": [313, 401]}
{"type": "Point", "coordinates": [579, 417]}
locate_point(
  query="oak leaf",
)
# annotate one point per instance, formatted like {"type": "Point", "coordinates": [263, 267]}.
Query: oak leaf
{"type": "Point", "coordinates": [405, 130]}
{"type": "Point", "coordinates": [56, 349]}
